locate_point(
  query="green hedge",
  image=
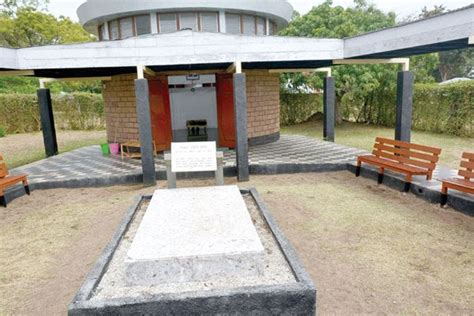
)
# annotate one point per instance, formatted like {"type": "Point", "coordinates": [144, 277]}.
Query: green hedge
{"type": "Point", "coordinates": [298, 108]}
{"type": "Point", "coordinates": [447, 109]}
{"type": "Point", "coordinates": [19, 113]}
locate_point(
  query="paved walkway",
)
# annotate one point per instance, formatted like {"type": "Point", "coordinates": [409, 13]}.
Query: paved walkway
{"type": "Point", "coordinates": [86, 167]}
{"type": "Point", "coordinates": [88, 162]}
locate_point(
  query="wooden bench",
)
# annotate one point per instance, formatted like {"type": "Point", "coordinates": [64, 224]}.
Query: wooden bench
{"type": "Point", "coordinates": [7, 181]}
{"type": "Point", "coordinates": [464, 184]}
{"type": "Point", "coordinates": [125, 150]}
{"type": "Point", "coordinates": [402, 157]}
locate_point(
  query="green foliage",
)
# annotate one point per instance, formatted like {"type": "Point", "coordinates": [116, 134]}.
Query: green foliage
{"type": "Point", "coordinates": [437, 108]}
{"type": "Point", "coordinates": [298, 108]}
{"type": "Point", "coordinates": [77, 111]}
{"type": "Point", "coordinates": [29, 27]}
{"type": "Point", "coordinates": [27, 85]}
{"type": "Point", "coordinates": [2, 132]}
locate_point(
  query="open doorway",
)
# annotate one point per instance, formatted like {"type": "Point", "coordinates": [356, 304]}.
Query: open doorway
{"type": "Point", "coordinates": [193, 108]}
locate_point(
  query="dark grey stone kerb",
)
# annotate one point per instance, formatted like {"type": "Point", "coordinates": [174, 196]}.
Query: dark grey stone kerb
{"type": "Point", "coordinates": [430, 195]}
{"type": "Point", "coordinates": [297, 298]}
{"type": "Point", "coordinates": [265, 139]}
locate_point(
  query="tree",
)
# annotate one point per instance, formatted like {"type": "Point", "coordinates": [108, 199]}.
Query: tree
{"type": "Point", "coordinates": [359, 86]}
{"type": "Point", "coordinates": [455, 63]}
{"type": "Point", "coordinates": [29, 27]}
{"type": "Point", "coordinates": [10, 7]}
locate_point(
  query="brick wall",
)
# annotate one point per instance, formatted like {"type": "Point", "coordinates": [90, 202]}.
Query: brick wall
{"type": "Point", "coordinates": [120, 110]}
{"type": "Point", "coordinates": [263, 97]}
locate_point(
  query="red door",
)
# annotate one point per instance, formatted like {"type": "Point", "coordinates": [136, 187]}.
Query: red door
{"type": "Point", "coordinates": [160, 113]}
{"type": "Point", "coordinates": [225, 110]}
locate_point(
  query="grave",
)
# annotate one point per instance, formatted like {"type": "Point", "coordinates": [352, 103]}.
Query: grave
{"type": "Point", "coordinates": [194, 234]}
{"type": "Point", "coordinates": [197, 251]}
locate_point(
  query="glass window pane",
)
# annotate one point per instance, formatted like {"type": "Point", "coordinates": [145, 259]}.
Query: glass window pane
{"type": "Point", "coordinates": [143, 25]}
{"type": "Point", "coordinates": [209, 22]}
{"type": "Point", "coordinates": [114, 30]}
{"type": "Point", "coordinates": [188, 21]}
{"type": "Point", "coordinates": [249, 25]}
{"type": "Point", "coordinates": [126, 27]}
{"type": "Point", "coordinates": [101, 32]}
{"type": "Point", "coordinates": [168, 23]}
{"type": "Point", "coordinates": [261, 26]}
{"type": "Point", "coordinates": [273, 29]}
{"type": "Point", "coordinates": [232, 24]}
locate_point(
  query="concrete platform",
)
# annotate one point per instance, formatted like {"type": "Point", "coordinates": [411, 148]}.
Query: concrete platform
{"type": "Point", "coordinates": [194, 234]}
{"type": "Point", "coordinates": [284, 288]}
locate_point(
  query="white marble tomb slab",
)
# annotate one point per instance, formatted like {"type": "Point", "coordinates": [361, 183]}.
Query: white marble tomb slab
{"type": "Point", "coordinates": [194, 234]}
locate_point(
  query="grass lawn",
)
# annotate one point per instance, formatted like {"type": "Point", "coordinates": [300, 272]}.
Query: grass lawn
{"type": "Point", "coordinates": [21, 149]}
{"type": "Point", "coordinates": [369, 249]}
{"type": "Point", "coordinates": [363, 137]}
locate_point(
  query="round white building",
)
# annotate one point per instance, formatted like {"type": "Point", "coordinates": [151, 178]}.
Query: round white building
{"type": "Point", "coordinates": [120, 19]}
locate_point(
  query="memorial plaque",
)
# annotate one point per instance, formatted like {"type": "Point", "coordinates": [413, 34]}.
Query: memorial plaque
{"type": "Point", "coordinates": [195, 156]}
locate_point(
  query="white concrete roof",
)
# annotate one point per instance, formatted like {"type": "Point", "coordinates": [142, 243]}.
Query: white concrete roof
{"type": "Point", "coordinates": [185, 47]}
{"type": "Point", "coordinates": [448, 31]}
{"type": "Point", "coordinates": [448, 27]}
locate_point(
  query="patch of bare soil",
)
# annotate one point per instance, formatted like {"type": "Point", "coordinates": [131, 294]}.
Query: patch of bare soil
{"type": "Point", "coordinates": [368, 248]}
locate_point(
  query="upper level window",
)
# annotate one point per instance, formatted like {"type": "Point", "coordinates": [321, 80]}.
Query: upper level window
{"type": "Point", "coordinates": [233, 24]}
{"type": "Point", "coordinates": [142, 24]}
{"type": "Point", "coordinates": [273, 29]}
{"type": "Point", "coordinates": [167, 23]}
{"type": "Point", "coordinates": [188, 21]}
{"type": "Point", "coordinates": [114, 31]}
{"type": "Point", "coordinates": [261, 26]}
{"type": "Point", "coordinates": [248, 23]}
{"type": "Point", "coordinates": [101, 32]}
{"type": "Point", "coordinates": [127, 28]}
{"type": "Point", "coordinates": [209, 22]}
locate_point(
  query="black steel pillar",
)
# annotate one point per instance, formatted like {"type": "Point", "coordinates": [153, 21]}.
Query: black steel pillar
{"type": "Point", "coordinates": [144, 127]}
{"type": "Point", "coordinates": [329, 109]}
{"type": "Point", "coordinates": [47, 122]}
{"type": "Point", "coordinates": [404, 106]}
{"type": "Point", "coordinates": [240, 109]}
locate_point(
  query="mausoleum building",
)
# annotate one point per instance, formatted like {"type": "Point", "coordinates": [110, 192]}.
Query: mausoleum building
{"type": "Point", "coordinates": [190, 105]}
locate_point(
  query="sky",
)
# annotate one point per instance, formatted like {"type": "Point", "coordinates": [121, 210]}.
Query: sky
{"type": "Point", "coordinates": [403, 8]}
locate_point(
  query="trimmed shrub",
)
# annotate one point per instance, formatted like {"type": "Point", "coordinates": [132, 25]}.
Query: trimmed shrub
{"type": "Point", "coordinates": [19, 113]}
{"type": "Point", "coordinates": [298, 108]}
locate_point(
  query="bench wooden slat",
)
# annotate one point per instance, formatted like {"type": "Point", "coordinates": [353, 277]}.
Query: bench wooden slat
{"type": "Point", "coordinates": [467, 164]}
{"type": "Point", "coordinates": [405, 160]}
{"type": "Point", "coordinates": [433, 150]}
{"type": "Point", "coordinates": [407, 152]}
{"type": "Point", "coordinates": [390, 164]}
{"type": "Point", "coordinates": [466, 174]}
{"type": "Point", "coordinates": [469, 156]}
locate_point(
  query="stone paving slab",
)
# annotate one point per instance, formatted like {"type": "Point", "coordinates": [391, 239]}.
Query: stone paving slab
{"type": "Point", "coordinates": [89, 163]}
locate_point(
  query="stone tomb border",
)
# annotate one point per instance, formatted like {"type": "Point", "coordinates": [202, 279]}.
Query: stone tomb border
{"type": "Point", "coordinates": [297, 296]}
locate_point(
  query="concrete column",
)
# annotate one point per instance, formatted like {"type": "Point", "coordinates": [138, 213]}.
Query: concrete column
{"type": "Point", "coordinates": [154, 23]}
{"type": "Point", "coordinates": [267, 26]}
{"type": "Point", "coordinates": [47, 122]}
{"type": "Point", "coordinates": [106, 30]}
{"type": "Point", "coordinates": [222, 23]}
{"type": "Point", "coordinates": [144, 127]}
{"type": "Point", "coordinates": [329, 108]}
{"type": "Point", "coordinates": [404, 106]}
{"type": "Point", "coordinates": [240, 109]}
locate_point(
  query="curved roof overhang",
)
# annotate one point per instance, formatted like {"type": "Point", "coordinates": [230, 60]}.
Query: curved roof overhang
{"type": "Point", "coordinates": [95, 12]}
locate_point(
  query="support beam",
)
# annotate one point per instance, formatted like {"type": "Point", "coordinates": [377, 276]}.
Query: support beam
{"type": "Point", "coordinates": [404, 106]}
{"type": "Point", "coordinates": [142, 70]}
{"type": "Point", "coordinates": [11, 73]}
{"type": "Point", "coordinates": [326, 70]}
{"type": "Point", "coordinates": [240, 109]}
{"type": "Point", "coordinates": [235, 67]}
{"type": "Point", "coordinates": [329, 109]}
{"type": "Point", "coordinates": [146, 138]}
{"type": "Point", "coordinates": [405, 62]}
{"type": "Point", "coordinates": [47, 122]}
